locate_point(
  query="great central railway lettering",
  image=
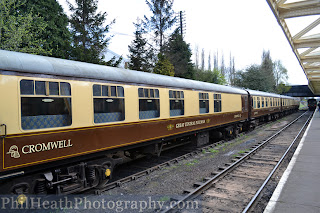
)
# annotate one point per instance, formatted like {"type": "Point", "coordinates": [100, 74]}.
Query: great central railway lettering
{"type": "Point", "coordinates": [40, 147]}
{"type": "Point", "coordinates": [190, 123]}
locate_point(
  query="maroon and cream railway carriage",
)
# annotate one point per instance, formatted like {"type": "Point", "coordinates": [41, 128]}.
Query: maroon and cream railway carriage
{"type": "Point", "coordinates": [264, 106]}
{"type": "Point", "coordinates": [65, 124]}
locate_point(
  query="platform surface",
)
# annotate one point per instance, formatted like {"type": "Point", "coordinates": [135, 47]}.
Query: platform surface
{"type": "Point", "coordinates": [299, 188]}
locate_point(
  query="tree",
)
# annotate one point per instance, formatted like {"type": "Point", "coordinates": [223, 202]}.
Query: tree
{"type": "Point", "coordinates": [267, 72]}
{"type": "Point", "coordinates": [138, 50]}
{"type": "Point", "coordinates": [222, 67]}
{"type": "Point", "coordinates": [251, 78]}
{"type": "Point", "coordinates": [162, 19]}
{"type": "Point", "coordinates": [202, 60]}
{"type": "Point", "coordinates": [209, 62]}
{"type": "Point", "coordinates": [89, 38]}
{"type": "Point", "coordinates": [179, 54]}
{"type": "Point", "coordinates": [56, 34]}
{"type": "Point", "coordinates": [282, 88]}
{"type": "Point", "coordinates": [209, 76]}
{"type": "Point", "coordinates": [20, 31]}
{"type": "Point", "coordinates": [230, 71]}
{"type": "Point", "coordinates": [163, 66]}
{"type": "Point", "coordinates": [216, 61]}
{"type": "Point", "coordinates": [196, 50]}
{"type": "Point", "coordinates": [280, 73]}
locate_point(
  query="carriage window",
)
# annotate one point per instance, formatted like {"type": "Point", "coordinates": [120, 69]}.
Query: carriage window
{"type": "Point", "coordinates": [108, 103]}
{"type": "Point", "coordinates": [176, 103]}
{"type": "Point", "coordinates": [26, 87]}
{"type": "Point", "coordinates": [53, 88]}
{"type": "Point", "coordinates": [217, 102]}
{"type": "Point", "coordinates": [42, 106]}
{"type": "Point", "coordinates": [40, 87]}
{"type": "Point", "coordinates": [149, 103]}
{"type": "Point", "coordinates": [262, 102]}
{"type": "Point", "coordinates": [258, 102]}
{"type": "Point", "coordinates": [267, 99]}
{"type": "Point", "coordinates": [254, 102]}
{"type": "Point", "coordinates": [203, 102]}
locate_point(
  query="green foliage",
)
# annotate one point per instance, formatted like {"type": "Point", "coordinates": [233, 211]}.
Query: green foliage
{"type": "Point", "coordinates": [251, 78]}
{"type": "Point", "coordinates": [191, 163]}
{"type": "Point", "coordinates": [282, 88]}
{"type": "Point", "coordinates": [209, 76]}
{"type": "Point", "coordinates": [56, 34]}
{"type": "Point", "coordinates": [20, 31]}
{"type": "Point", "coordinates": [138, 50]}
{"type": "Point", "coordinates": [163, 18]}
{"type": "Point", "coordinates": [163, 66]}
{"type": "Point", "coordinates": [266, 70]}
{"type": "Point", "coordinates": [281, 76]}
{"type": "Point", "coordinates": [213, 150]}
{"type": "Point", "coordinates": [113, 62]}
{"type": "Point", "coordinates": [88, 32]}
{"type": "Point", "coordinates": [179, 54]}
{"type": "Point", "coordinates": [269, 76]}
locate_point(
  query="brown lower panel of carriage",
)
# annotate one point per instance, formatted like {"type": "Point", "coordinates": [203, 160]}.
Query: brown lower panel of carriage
{"type": "Point", "coordinates": [31, 149]}
{"type": "Point", "coordinates": [261, 112]}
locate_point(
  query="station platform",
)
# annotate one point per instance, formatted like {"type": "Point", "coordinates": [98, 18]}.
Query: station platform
{"type": "Point", "coordinates": [299, 187]}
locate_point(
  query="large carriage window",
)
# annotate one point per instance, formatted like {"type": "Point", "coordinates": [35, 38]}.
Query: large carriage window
{"type": "Point", "coordinates": [108, 103]}
{"type": "Point", "coordinates": [254, 102]}
{"type": "Point", "coordinates": [203, 102]}
{"type": "Point", "coordinates": [176, 103]}
{"type": "Point", "coordinates": [258, 102]}
{"type": "Point", "coordinates": [45, 104]}
{"type": "Point", "coordinates": [262, 102]}
{"type": "Point", "coordinates": [149, 103]}
{"type": "Point", "coordinates": [217, 102]}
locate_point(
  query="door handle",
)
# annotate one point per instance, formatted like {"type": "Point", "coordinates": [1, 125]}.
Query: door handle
{"type": "Point", "coordinates": [5, 131]}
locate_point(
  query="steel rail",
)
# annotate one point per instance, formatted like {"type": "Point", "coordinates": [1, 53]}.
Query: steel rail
{"type": "Point", "coordinates": [255, 197]}
{"type": "Point", "coordinates": [208, 183]}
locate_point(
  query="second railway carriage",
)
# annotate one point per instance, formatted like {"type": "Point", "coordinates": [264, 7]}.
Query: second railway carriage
{"type": "Point", "coordinates": [65, 124]}
{"type": "Point", "coordinates": [264, 106]}
{"type": "Point", "coordinates": [289, 104]}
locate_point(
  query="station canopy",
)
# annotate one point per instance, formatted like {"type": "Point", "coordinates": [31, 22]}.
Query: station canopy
{"type": "Point", "coordinates": [300, 22]}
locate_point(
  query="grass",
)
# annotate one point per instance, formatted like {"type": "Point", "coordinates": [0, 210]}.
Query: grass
{"type": "Point", "coordinates": [165, 198]}
{"type": "Point", "coordinates": [213, 150]}
{"type": "Point", "coordinates": [240, 152]}
{"type": "Point", "coordinates": [192, 163]}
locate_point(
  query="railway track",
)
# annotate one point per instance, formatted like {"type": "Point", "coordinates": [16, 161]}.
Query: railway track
{"type": "Point", "coordinates": [237, 186]}
{"type": "Point", "coordinates": [149, 167]}
{"type": "Point", "coordinates": [145, 167]}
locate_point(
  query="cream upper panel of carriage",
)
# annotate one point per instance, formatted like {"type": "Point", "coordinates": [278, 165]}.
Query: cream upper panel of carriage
{"type": "Point", "coordinates": [42, 104]}
{"type": "Point", "coordinates": [260, 102]}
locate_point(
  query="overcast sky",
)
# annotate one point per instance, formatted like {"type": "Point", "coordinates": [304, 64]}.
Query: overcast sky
{"type": "Point", "coordinates": [245, 28]}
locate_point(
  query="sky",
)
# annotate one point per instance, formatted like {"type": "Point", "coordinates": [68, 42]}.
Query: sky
{"type": "Point", "coordinates": [241, 28]}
